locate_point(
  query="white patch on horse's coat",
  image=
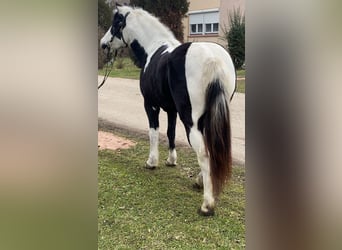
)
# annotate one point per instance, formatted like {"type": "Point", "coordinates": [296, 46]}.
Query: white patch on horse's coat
{"type": "Point", "coordinates": [172, 159]}
{"type": "Point", "coordinates": [168, 49]}
{"type": "Point", "coordinates": [139, 23]}
{"type": "Point", "coordinates": [197, 143]}
{"type": "Point", "coordinates": [106, 38]}
{"type": "Point", "coordinates": [154, 108]}
{"type": "Point", "coordinates": [206, 62]}
{"type": "Point", "coordinates": [153, 158]}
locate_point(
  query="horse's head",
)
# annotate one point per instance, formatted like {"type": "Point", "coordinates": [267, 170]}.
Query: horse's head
{"type": "Point", "coordinates": [114, 38]}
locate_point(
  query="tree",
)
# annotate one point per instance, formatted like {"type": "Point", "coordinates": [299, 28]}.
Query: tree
{"type": "Point", "coordinates": [103, 23]}
{"type": "Point", "coordinates": [104, 15]}
{"type": "Point", "coordinates": [170, 13]}
{"type": "Point", "coordinates": [235, 36]}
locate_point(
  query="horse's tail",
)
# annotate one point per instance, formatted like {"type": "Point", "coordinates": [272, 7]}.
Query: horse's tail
{"type": "Point", "coordinates": [217, 134]}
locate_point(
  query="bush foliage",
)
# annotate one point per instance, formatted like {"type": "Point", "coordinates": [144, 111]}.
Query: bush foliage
{"type": "Point", "coordinates": [235, 36]}
{"type": "Point", "coordinates": [170, 13]}
{"type": "Point", "coordinates": [103, 23]}
{"type": "Point", "coordinates": [104, 15]}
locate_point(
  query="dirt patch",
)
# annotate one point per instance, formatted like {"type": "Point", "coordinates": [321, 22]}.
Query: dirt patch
{"type": "Point", "coordinates": [110, 141]}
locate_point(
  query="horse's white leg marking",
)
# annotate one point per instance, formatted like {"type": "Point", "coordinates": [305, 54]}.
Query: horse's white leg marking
{"type": "Point", "coordinates": [197, 142]}
{"type": "Point", "coordinates": [172, 159]}
{"type": "Point", "coordinates": [154, 153]}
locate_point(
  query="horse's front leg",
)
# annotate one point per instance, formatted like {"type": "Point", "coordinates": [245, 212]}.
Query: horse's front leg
{"type": "Point", "coordinates": [171, 133]}
{"type": "Point", "coordinates": [153, 119]}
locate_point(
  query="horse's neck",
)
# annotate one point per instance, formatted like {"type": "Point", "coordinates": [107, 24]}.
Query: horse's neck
{"type": "Point", "coordinates": [152, 37]}
{"type": "Point", "coordinates": [151, 44]}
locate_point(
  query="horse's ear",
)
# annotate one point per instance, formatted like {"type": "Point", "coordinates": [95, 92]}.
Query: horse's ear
{"type": "Point", "coordinates": [117, 5]}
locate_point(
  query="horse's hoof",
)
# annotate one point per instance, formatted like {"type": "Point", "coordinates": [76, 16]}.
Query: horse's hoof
{"type": "Point", "coordinates": [169, 164]}
{"type": "Point", "coordinates": [148, 166]}
{"type": "Point", "coordinates": [209, 212]}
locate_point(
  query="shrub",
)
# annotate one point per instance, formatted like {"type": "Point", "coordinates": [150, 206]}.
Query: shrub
{"type": "Point", "coordinates": [170, 13]}
{"type": "Point", "coordinates": [235, 36]}
{"type": "Point", "coordinates": [119, 63]}
{"type": "Point", "coordinates": [103, 23]}
{"type": "Point", "coordinates": [104, 15]}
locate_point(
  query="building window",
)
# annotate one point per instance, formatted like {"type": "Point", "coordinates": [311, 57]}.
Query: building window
{"type": "Point", "coordinates": [204, 22]}
{"type": "Point", "coordinates": [193, 28]}
{"type": "Point", "coordinates": [215, 27]}
{"type": "Point", "coordinates": [200, 28]}
{"type": "Point", "coordinates": [196, 28]}
{"type": "Point", "coordinates": [208, 28]}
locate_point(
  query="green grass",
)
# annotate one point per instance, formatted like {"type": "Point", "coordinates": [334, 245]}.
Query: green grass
{"type": "Point", "coordinates": [241, 73]}
{"type": "Point", "coordinates": [157, 209]}
{"type": "Point", "coordinates": [241, 86]}
{"type": "Point", "coordinates": [130, 71]}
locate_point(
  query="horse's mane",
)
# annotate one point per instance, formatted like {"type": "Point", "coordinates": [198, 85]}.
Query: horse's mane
{"type": "Point", "coordinates": [149, 20]}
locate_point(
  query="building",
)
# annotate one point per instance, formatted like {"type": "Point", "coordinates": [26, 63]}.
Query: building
{"type": "Point", "coordinates": [206, 19]}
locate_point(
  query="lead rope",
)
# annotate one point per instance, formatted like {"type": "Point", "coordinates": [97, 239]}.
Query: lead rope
{"type": "Point", "coordinates": [109, 67]}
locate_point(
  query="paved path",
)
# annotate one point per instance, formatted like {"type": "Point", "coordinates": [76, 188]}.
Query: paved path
{"type": "Point", "coordinates": [121, 103]}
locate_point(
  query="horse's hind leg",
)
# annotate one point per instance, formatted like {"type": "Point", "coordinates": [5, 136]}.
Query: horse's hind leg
{"type": "Point", "coordinates": [197, 143]}
{"type": "Point", "coordinates": [171, 118]}
{"type": "Point", "coordinates": [153, 118]}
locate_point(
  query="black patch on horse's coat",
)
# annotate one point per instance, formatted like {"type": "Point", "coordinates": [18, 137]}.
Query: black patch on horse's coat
{"type": "Point", "coordinates": [163, 85]}
{"type": "Point", "coordinates": [118, 22]}
{"type": "Point", "coordinates": [152, 114]}
{"type": "Point", "coordinates": [171, 128]}
{"type": "Point", "coordinates": [154, 87]}
{"type": "Point", "coordinates": [154, 83]}
{"type": "Point", "coordinates": [200, 123]}
{"type": "Point", "coordinates": [178, 85]}
{"type": "Point", "coordinates": [139, 53]}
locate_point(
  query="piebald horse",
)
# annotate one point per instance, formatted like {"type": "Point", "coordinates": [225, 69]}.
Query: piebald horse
{"type": "Point", "coordinates": [195, 80]}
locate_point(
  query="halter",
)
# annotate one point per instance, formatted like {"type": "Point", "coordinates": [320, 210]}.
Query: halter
{"type": "Point", "coordinates": [119, 34]}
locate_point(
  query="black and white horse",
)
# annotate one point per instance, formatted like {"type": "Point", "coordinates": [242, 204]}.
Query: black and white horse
{"type": "Point", "coordinates": [195, 80]}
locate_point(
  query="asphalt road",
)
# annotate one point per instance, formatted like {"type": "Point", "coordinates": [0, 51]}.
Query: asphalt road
{"type": "Point", "coordinates": [121, 103]}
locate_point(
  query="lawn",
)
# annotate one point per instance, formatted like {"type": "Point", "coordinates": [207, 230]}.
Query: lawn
{"type": "Point", "coordinates": [241, 86]}
{"type": "Point", "coordinates": [156, 209]}
{"type": "Point", "coordinates": [241, 73]}
{"type": "Point", "coordinates": [125, 68]}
